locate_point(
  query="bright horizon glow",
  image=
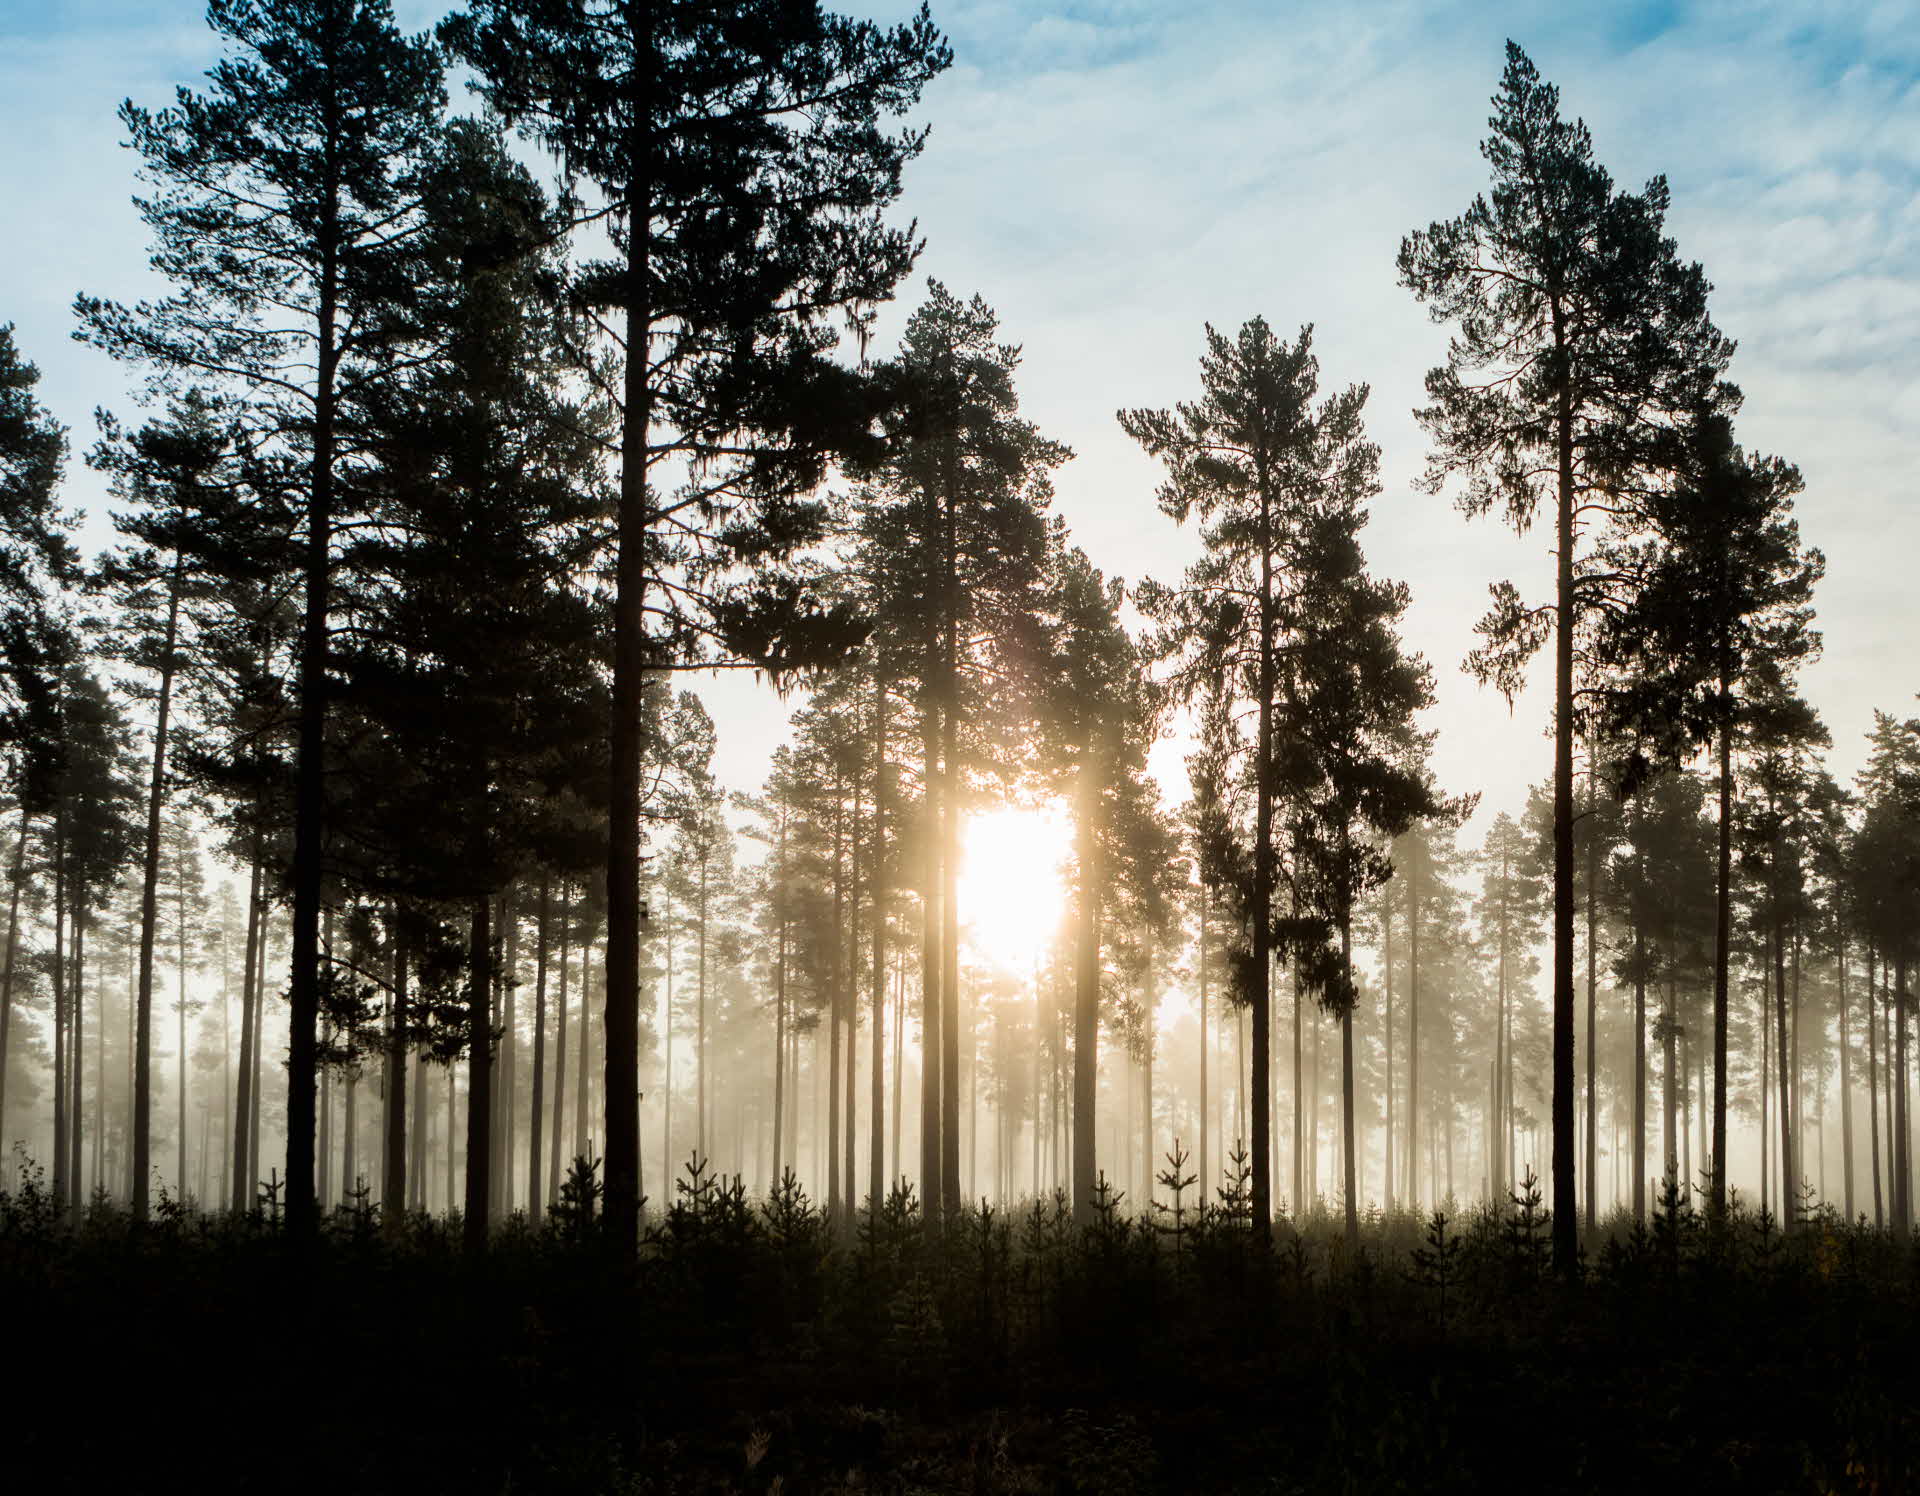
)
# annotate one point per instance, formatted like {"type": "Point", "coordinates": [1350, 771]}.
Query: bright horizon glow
{"type": "Point", "coordinates": [1010, 889]}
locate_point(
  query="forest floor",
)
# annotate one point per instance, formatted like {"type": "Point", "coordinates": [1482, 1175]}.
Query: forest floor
{"type": "Point", "coordinates": [753, 1348]}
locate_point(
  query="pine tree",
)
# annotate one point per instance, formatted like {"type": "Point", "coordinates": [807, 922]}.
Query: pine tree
{"type": "Point", "coordinates": [1725, 566]}
{"type": "Point", "coordinates": [955, 541]}
{"type": "Point", "coordinates": [1253, 460]}
{"type": "Point", "coordinates": [1583, 339]}
{"type": "Point", "coordinates": [742, 165]}
{"type": "Point", "coordinates": [283, 203]}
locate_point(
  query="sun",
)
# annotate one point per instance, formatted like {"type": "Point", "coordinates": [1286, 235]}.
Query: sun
{"type": "Point", "coordinates": [1011, 893]}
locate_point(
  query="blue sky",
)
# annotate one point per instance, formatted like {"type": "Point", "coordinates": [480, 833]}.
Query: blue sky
{"type": "Point", "coordinates": [1112, 176]}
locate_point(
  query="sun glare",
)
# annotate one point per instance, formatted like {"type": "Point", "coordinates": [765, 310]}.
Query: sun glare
{"type": "Point", "coordinates": [1011, 895]}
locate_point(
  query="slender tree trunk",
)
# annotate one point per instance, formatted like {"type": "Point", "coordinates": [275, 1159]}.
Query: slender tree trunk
{"type": "Point", "coordinates": [1670, 1155]}
{"type": "Point", "coordinates": [950, 946]}
{"type": "Point", "coordinates": [1303, 1142]}
{"type": "Point", "coordinates": [1795, 1072]}
{"type": "Point", "coordinates": [1722, 944]}
{"type": "Point", "coordinates": [1766, 1060]}
{"type": "Point", "coordinates": [1873, 1091]}
{"type": "Point", "coordinates": [1386, 967]}
{"type": "Point", "coordinates": [1846, 1074]}
{"type": "Point", "coordinates": [876, 1100]}
{"type": "Point", "coordinates": [61, 1183]}
{"type": "Point", "coordinates": [1086, 993]}
{"type": "Point", "coordinates": [1206, 1173]}
{"type": "Point", "coordinates": [700, 1034]}
{"type": "Point", "coordinates": [393, 1190]}
{"type": "Point", "coordinates": [506, 1065]}
{"type": "Point", "coordinates": [259, 1029]}
{"type": "Point", "coordinates": [13, 941]}
{"type": "Point", "coordinates": [1593, 958]}
{"type": "Point", "coordinates": [1350, 1179]}
{"type": "Point", "coordinates": [1565, 1236]}
{"type": "Point", "coordinates": [931, 966]}
{"type": "Point", "coordinates": [1639, 1076]}
{"type": "Point", "coordinates": [780, 1059]}
{"type": "Point", "coordinates": [180, 1004]}
{"type": "Point", "coordinates": [149, 914]}
{"type": "Point", "coordinates": [479, 1076]}
{"type": "Point", "coordinates": [836, 1004]}
{"type": "Point", "coordinates": [1787, 1182]}
{"type": "Point", "coordinates": [226, 1055]}
{"type": "Point", "coordinates": [630, 663]}
{"type": "Point", "coordinates": [309, 796]}
{"type": "Point", "coordinates": [583, 1076]}
{"type": "Point", "coordinates": [666, 1028]}
{"type": "Point", "coordinates": [560, 1049]}
{"type": "Point", "coordinates": [1902, 1145]}
{"type": "Point", "coordinates": [1413, 1032]}
{"type": "Point", "coordinates": [75, 1006]}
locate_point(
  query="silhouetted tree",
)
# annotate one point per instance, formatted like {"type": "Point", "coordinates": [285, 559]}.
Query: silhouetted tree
{"type": "Point", "coordinates": [282, 208]}
{"type": "Point", "coordinates": [1582, 337]}
{"type": "Point", "coordinates": [1254, 459]}
{"type": "Point", "coordinates": [742, 167]}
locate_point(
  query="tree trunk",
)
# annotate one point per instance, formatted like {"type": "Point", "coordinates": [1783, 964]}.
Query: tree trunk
{"type": "Point", "coordinates": [1787, 1182]}
{"type": "Point", "coordinates": [930, 964]}
{"type": "Point", "coordinates": [1639, 1076]}
{"type": "Point", "coordinates": [1722, 945]}
{"type": "Point", "coordinates": [508, 1067]}
{"type": "Point", "coordinates": [836, 1003]}
{"type": "Point", "coordinates": [309, 796]}
{"type": "Point", "coordinates": [1670, 1156]}
{"type": "Point", "coordinates": [149, 915]}
{"type": "Point", "coordinates": [393, 1185]}
{"type": "Point", "coordinates": [780, 1066]}
{"type": "Point", "coordinates": [1902, 1149]}
{"type": "Point", "coordinates": [479, 1076]}
{"type": "Point", "coordinates": [1413, 1033]}
{"type": "Point", "coordinates": [60, 1057]}
{"type": "Point", "coordinates": [1386, 966]}
{"type": "Point", "coordinates": [180, 1003]}
{"type": "Point", "coordinates": [1873, 1092]}
{"type": "Point", "coordinates": [1565, 1236]}
{"type": "Point", "coordinates": [1846, 1075]}
{"type": "Point", "coordinates": [1593, 957]}
{"type": "Point", "coordinates": [13, 940]}
{"type": "Point", "coordinates": [1086, 988]}
{"type": "Point", "coordinates": [560, 1049]}
{"type": "Point", "coordinates": [876, 1101]}
{"type": "Point", "coordinates": [1350, 1178]}
{"type": "Point", "coordinates": [700, 1031]}
{"type": "Point", "coordinates": [1206, 1174]}
{"type": "Point", "coordinates": [78, 1064]}
{"type": "Point", "coordinates": [630, 662]}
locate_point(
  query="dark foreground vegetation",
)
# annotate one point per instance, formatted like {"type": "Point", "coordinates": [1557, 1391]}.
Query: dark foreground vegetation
{"type": "Point", "coordinates": [752, 1348]}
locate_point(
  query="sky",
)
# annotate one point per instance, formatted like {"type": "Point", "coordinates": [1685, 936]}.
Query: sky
{"type": "Point", "coordinates": [1112, 177]}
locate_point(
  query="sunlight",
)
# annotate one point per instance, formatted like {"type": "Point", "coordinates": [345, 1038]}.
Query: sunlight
{"type": "Point", "coordinates": [1011, 893]}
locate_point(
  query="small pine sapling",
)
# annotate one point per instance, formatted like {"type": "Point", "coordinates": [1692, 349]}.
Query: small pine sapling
{"type": "Point", "coordinates": [1175, 1178]}
{"type": "Point", "coordinates": [1436, 1265]}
